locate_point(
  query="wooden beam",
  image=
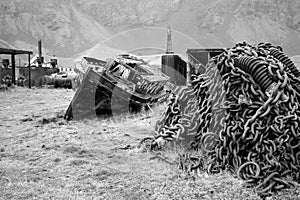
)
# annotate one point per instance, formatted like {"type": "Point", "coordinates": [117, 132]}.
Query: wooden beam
{"type": "Point", "coordinates": [1, 71]}
{"type": "Point", "coordinates": [13, 66]}
{"type": "Point", "coordinates": [14, 51]}
{"type": "Point", "coordinates": [29, 71]}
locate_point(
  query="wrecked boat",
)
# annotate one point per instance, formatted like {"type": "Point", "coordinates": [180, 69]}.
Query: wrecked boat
{"type": "Point", "coordinates": [126, 84]}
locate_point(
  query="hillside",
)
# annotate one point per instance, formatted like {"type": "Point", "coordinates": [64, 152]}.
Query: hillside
{"type": "Point", "coordinates": [255, 21]}
{"type": "Point", "coordinates": [63, 28]}
{"type": "Point", "coordinates": [69, 27]}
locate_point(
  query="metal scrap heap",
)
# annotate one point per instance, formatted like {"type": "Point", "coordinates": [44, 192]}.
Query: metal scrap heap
{"type": "Point", "coordinates": [123, 84]}
{"type": "Point", "coordinates": [244, 114]}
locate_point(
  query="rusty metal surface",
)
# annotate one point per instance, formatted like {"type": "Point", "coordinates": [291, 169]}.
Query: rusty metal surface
{"type": "Point", "coordinates": [119, 88]}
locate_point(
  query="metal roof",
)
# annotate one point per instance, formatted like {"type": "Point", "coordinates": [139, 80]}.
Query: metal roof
{"type": "Point", "coordinates": [206, 50]}
{"type": "Point", "coordinates": [14, 51]}
{"type": "Point", "coordinates": [94, 60]}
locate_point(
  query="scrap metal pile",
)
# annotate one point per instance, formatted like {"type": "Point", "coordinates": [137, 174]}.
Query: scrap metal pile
{"type": "Point", "coordinates": [123, 84]}
{"type": "Point", "coordinates": [244, 114]}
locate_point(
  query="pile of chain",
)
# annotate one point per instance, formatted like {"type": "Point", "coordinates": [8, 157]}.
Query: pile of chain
{"type": "Point", "coordinates": [260, 137]}
{"type": "Point", "coordinates": [190, 109]}
{"type": "Point", "coordinates": [244, 113]}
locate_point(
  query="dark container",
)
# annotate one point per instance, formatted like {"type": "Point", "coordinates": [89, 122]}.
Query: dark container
{"type": "Point", "coordinates": [40, 60]}
{"type": "Point", "coordinates": [203, 55]}
{"type": "Point", "coordinates": [5, 62]}
{"type": "Point", "coordinates": [53, 62]}
{"type": "Point", "coordinates": [175, 68]}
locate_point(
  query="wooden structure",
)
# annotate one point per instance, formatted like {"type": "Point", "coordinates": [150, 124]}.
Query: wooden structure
{"type": "Point", "coordinates": [200, 57]}
{"type": "Point", "coordinates": [13, 53]}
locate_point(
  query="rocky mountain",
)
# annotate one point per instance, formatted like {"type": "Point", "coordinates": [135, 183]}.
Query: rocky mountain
{"type": "Point", "coordinates": [69, 27]}
{"type": "Point", "coordinates": [276, 21]}
{"type": "Point", "coordinates": [63, 28]}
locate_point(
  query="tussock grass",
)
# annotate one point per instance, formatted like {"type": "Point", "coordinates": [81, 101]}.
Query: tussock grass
{"type": "Point", "coordinates": [87, 159]}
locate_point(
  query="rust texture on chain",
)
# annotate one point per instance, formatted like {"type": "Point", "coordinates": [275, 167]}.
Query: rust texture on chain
{"type": "Point", "coordinates": [260, 139]}
{"type": "Point", "coordinates": [193, 111]}
{"type": "Point", "coordinates": [243, 113]}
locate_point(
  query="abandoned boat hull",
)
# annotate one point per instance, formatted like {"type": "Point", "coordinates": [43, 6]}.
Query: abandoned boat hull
{"type": "Point", "coordinates": [102, 94]}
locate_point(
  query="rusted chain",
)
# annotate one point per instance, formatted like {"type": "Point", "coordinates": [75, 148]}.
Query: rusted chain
{"type": "Point", "coordinates": [244, 114]}
{"type": "Point", "coordinates": [267, 129]}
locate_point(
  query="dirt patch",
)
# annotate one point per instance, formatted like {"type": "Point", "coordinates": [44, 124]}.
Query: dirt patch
{"type": "Point", "coordinates": [47, 120]}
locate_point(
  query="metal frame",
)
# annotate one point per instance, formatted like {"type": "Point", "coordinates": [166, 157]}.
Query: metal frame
{"type": "Point", "coordinates": [14, 52]}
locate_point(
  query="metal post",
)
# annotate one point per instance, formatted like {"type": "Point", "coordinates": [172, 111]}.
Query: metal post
{"type": "Point", "coordinates": [20, 68]}
{"type": "Point", "coordinates": [29, 71]}
{"type": "Point", "coordinates": [1, 71]}
{"type": "Point", "coordinates": [13, 66]}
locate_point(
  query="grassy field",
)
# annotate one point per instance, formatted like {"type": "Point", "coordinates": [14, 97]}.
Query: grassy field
{"type": "Point", "coordinates": [42, 156]}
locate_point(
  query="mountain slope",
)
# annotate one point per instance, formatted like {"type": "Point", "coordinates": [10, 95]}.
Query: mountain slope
{"type": "Point", "coordinates": [254, 21]}
{"type": "Point", "coordinates": [63, 28]}
{"type": "Point", "coordinates": [68, 27]}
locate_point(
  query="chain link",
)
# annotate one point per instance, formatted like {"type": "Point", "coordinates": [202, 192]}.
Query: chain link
{"type": "Point", "coordinates": [243, 114]}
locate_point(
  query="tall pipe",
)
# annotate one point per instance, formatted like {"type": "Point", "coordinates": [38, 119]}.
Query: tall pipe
{"type": "Point", "coordinates": [13, 68]}
{"type": "Point", "coordinates": [40, 48]}
{"type": "Point", "coordinates": [40, 53]}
